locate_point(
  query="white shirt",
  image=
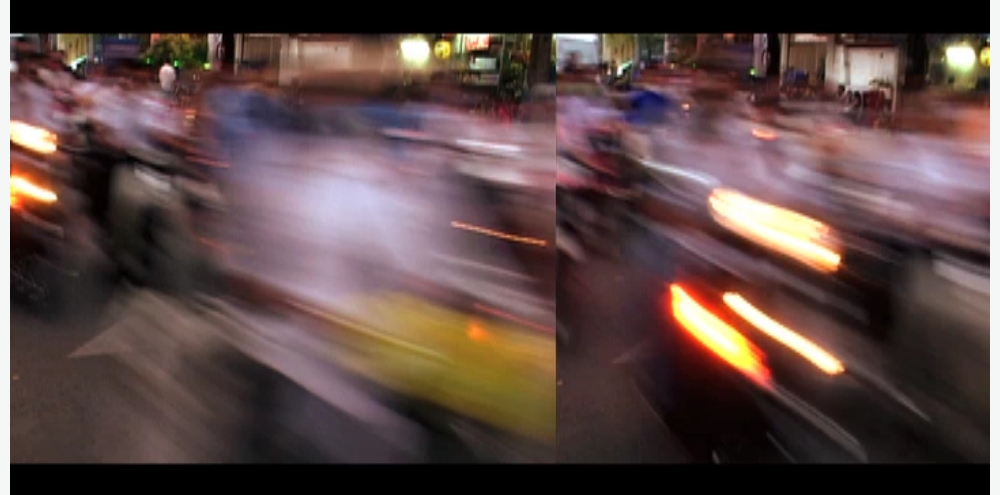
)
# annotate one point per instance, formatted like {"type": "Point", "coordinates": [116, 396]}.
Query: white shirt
{"type": "Point", "coordinates": [168, 76]}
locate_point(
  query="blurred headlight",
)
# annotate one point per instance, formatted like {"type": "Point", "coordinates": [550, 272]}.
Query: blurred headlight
{"type": "Point", "coordinates": [21, 188]}
{"type": "Point", "coordinates": [796, 236]}
{"type": "Point", "coordinates": [33, 138]}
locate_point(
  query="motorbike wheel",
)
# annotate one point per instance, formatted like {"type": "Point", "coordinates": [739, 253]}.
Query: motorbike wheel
{"type": "Point", "coordinates": [54, 280]}
{"type": "Point", "coordinates": [35, 282]}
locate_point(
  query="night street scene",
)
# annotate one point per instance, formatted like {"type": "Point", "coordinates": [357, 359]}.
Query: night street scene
{"type": "Point", "coordinates": [243, 248]}
{"type": "Point", "coordinates": [427, 248]}
{"type": "Point", "coordinates": [774, 249]}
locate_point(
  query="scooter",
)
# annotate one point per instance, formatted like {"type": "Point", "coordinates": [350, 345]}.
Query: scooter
{"type": "Point", "coordinates": [146, 203]}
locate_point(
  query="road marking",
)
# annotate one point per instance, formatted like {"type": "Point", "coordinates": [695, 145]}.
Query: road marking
{"type": "Point", "coordinates": [632, 355]}
{"type": "Point", "coordinates": [108, 343]}
{"type": "Point", "coordinates": [781, 449]}
{"type": "Point", "coordinates": [111, 341]}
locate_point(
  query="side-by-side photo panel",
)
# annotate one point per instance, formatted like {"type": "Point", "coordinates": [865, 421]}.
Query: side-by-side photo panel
{"type": "Point", "coordinates": [773, 248]}
{"type": "Point", "coordinates": [288, 248]}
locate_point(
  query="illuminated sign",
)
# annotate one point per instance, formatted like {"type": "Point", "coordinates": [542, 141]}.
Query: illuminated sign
{"type": "Point", "coordinates": [477, 42]}
{"type": "Point", "coordinates": [442, 50]}
{"type": "Point", "coordinates": [984, 56]}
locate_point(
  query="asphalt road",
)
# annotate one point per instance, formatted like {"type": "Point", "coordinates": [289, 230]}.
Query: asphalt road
{"type": "Point", "coordinates": [64, 410]}
{"type": "Point", "coordinates": [77, 398]}
{"type": "Point", "coordinates": [602, 417]}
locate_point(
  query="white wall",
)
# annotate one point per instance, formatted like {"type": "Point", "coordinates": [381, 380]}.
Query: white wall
{"type": "Point", "coordinates": [213, 42]}
{"type": "Point", "coordinates": [589, 51]}
{"type": "Point", "coordinates": [589, 48]}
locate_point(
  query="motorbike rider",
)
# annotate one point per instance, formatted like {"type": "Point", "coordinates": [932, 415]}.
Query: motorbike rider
{"type": "Point", "coordinates": [589, 125]}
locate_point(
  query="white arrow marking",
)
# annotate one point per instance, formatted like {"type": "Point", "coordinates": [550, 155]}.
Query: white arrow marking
{"type": "Point", "coordinates": [111, 342]}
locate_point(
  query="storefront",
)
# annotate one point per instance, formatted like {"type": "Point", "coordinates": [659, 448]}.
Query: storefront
{"type": "Point", "coordinates": [653, 48]}
{"type": "Point", "coordinates": [586, 47]}
{"type": "Point", "coordinates": [807, 55]}
{"type": "Point", "coordinates": [478, 58]}
{"type": "Point", "coordinates": [105, 47]}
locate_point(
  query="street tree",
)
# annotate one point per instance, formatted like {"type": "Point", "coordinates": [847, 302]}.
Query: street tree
{"type": "Point", "coordinates": [181, 50]}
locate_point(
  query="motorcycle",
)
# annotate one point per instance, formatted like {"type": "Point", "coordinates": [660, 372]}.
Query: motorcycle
{"type": "Point", "coordinates": [763, 343]}
{"type": "Point", "coordinates": [87, 186]}
{"type": "Point", "coordinates": [160, 220]}
{"type": "Point", "coordinates": [42, 210]}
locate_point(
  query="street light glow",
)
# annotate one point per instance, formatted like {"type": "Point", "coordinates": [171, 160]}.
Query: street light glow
{"type": "Point", "coordinates": [415, 51]}
{"type": "Point", "coordinates": [984, 57]}
{"type": "Point", "coordinates": [588, 38]}
{"type": "Point", "coordinates": [961, 57]}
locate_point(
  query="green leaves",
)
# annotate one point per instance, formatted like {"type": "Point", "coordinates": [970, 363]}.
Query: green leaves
{"type": "Point", "coordinates": [181, 50]}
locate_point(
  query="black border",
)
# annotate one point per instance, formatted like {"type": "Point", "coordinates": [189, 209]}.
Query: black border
{"type": "Point", "coordinates": [774, 16]}
{"type": "Point", "coordinates": [366, 479]}
{"type": "Point", "coordinates": [427, 16]}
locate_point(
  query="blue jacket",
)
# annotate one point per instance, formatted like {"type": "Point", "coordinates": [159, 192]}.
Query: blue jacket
{"type": "Point", "coordinates": [650, 107]}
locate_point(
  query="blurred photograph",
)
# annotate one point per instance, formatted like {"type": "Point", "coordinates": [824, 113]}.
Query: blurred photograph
{"type": "Point", "coordinates": [773, 248]}
{"type": "Point", "coordinates": [274, 248]}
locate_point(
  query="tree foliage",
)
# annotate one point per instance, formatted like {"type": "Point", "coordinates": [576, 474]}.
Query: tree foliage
{"type": "Point", "coordinates": [181, 50]}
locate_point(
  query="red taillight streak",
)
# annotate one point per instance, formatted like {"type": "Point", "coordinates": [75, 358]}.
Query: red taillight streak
{"type": "Point", "coordinates": [720, 338]}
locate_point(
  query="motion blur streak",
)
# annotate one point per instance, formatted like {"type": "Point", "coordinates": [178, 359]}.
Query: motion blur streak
{"type": "Point", "coordinates": [764, 135]}
{"type": "Point", "coordinates": [268, 258]}
{"type": "Point", "coordinates": [723, 340]}
{"type": "Point", "coordinates": [33, 138]}
{"type": "Point", "coordinates": [499, 235]}
{"type": "Point", "coordinates": [816, 355]}
{"type": "Point", "coordinates": [23, 187]}
{"type": "Point", "coordinates": [838, 222]}
{"type": "Point", "coordinates": [787, 232]}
